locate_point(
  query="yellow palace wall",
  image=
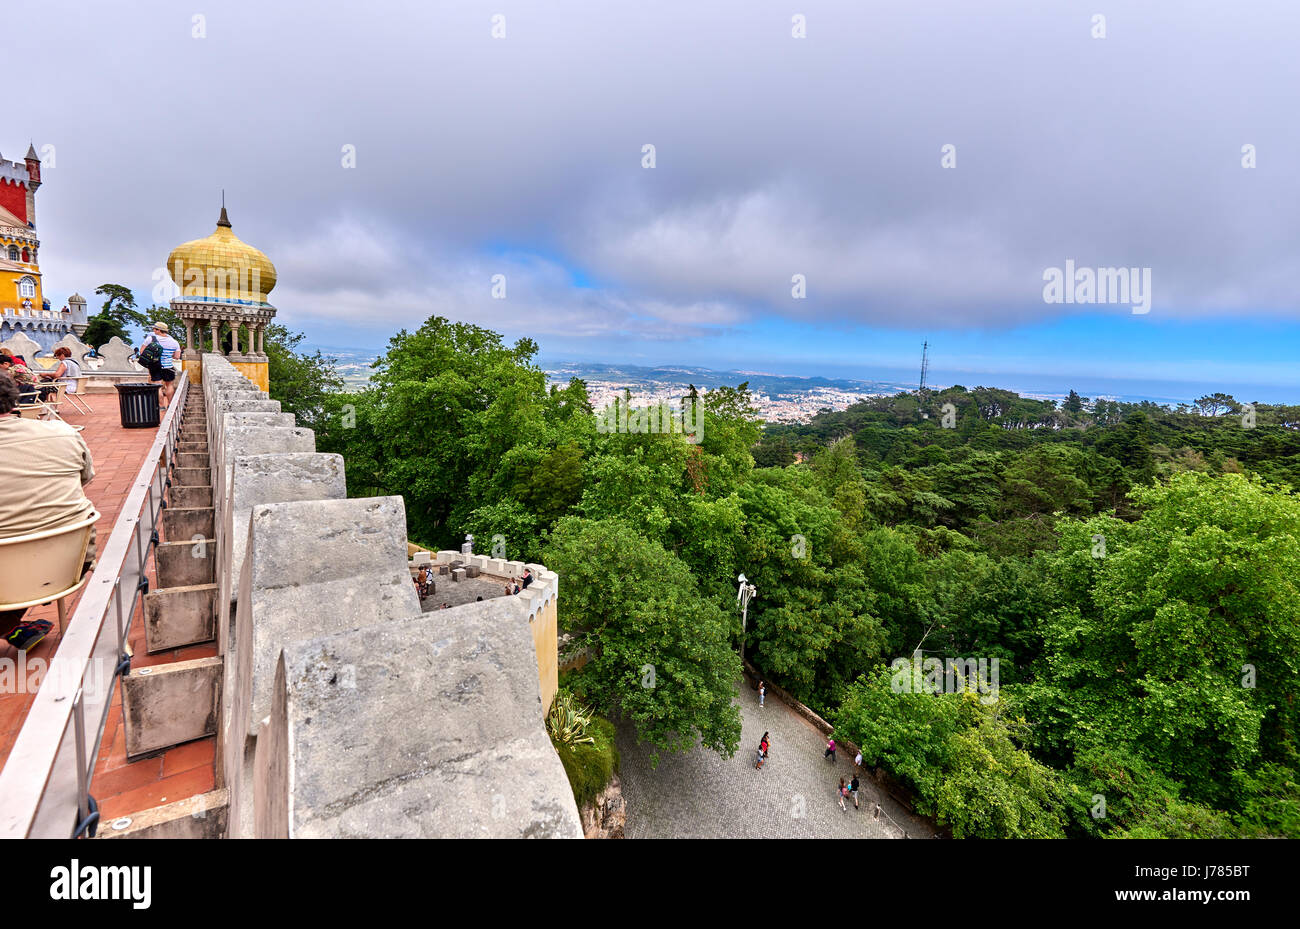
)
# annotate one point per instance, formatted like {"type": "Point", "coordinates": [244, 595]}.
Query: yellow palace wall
{"type": "Point", "coordinates": [259, 372]}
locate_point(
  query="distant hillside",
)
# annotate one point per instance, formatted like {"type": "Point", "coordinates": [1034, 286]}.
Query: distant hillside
{"type": "Point", "coordinates": [777, 385]}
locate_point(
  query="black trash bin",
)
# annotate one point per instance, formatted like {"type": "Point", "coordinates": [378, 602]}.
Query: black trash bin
{"type": "Point", "coordinates": [138, 404]}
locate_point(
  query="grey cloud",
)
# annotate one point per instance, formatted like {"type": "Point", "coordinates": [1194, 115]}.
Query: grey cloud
{"type": "Point", "coordinates": [775, 156]}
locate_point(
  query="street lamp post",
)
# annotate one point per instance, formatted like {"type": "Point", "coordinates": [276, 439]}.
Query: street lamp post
{"type": "Point", "coordinates": [746, 593]}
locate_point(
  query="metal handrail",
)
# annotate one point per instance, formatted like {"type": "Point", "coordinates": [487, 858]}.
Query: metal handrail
{"type": "Point", "coordinates": [45, 783]}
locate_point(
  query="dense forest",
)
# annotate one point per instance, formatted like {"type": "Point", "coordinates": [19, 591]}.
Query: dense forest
{"type": "Point", "coordinates": [1132, 568]}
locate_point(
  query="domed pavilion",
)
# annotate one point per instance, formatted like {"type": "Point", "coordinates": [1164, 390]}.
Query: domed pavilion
{"type": "Point", "coordinates": [224, 283]}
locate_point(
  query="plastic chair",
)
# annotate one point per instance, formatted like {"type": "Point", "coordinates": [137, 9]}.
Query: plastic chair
{"type": "Point", "coordinates": [44, 566]}
{"type": "Point", "coordinates": [74, 397]}
{"type": "Point", "coordinates": [33, 410]}
{"type": "Point", "coordinates": [42, 411]}
{"type": "Point", "coordinates": [55, 403]}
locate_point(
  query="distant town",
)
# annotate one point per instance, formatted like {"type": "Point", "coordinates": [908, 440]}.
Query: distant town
{"type": "Point", "coordinates": [779, 398]}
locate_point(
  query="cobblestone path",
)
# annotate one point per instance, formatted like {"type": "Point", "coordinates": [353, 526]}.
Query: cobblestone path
{"type": "Point", "coordinates": [702, 795]}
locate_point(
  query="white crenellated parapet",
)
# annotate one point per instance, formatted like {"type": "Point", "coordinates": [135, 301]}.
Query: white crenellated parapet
{"type": "Point", "coordinates": [543, 594]}
{"type": "Point", "coordinates": [20, 344]}
{"type": "Point", "coordinates": [74, 345]}
{"type": "Point", "coordinates": [326, 646]}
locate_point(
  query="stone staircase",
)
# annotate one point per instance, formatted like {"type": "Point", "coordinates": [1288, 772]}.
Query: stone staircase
{"type": "Point", "coordinates": [171, 703]}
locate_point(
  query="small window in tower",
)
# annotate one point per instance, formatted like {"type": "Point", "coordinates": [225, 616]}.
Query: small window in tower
{"type": "Point", "coordinates": [13, 252]}
{"type": "Point", "coordinates": [26, 288]}
{"type": "Point", "coordinates": [27, 256]}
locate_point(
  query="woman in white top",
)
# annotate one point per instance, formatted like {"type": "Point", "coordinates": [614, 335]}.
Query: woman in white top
{"type": "Point", "coordinates": [67, 368]}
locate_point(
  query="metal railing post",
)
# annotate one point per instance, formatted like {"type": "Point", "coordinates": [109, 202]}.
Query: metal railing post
{"type": "Point", "coordinates": [121, 628]}
{"type": "Point", "coordinates": [139, 553]}
{"type": "Point", "coordinates": [83, 776]}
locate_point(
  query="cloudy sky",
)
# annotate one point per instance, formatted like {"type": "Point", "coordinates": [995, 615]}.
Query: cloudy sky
{"type": "Point", "coordinates": [774, 156]}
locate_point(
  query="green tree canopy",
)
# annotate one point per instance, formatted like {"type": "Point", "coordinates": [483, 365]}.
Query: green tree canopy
{"type": "Point", "coordinates": [117, 313]}
{"type": "Point", "coordinates": [665, 660]}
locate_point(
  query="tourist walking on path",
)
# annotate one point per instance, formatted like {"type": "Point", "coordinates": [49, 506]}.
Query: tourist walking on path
{"type": "Point", "coordinates": [857, 759]}
{"type": "Point", "coordinates": [162, 371]}
{"type": "Point", "coordinates": [762, 692]}
{"type": "Point", "coordinates": [763, 748]}
{"type": "Point", "coordinates": [830, 749]}
{"type": "Point", "coordinates": [843, 792]}
{"type": "Point", "coordinates": [853, 791]}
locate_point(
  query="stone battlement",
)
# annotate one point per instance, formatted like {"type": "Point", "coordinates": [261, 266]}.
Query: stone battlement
{"type": "Point", "coordinates": [345, 710]}
{"type": "Point", "coordinates": [540, 600]}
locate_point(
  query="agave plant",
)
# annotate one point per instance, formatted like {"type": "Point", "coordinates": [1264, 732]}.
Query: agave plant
{"type": "Point", "coordinates": [568, 721]}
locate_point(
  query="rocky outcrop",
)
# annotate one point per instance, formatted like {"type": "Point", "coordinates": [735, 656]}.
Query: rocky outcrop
{"type": "Point", "coordinates": [606, 816]}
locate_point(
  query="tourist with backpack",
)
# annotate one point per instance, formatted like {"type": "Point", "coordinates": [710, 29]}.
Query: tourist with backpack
{"type": "Point", "coordinates": [843, 792]}
{"type": "Point", "coordinates": [830, 749]}
{"type": "Point", "coordinates": [157, 353]}
{"type": "Point", "coordinates": [853, 791]}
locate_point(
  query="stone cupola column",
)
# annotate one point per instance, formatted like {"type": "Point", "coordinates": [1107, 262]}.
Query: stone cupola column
{"type": "Point", "coordinates": [189, 336]}
{"type": "Point", "coordinates": [216, 345]}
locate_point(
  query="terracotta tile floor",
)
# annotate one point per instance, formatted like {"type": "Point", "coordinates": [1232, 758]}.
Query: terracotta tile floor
{"type": "Point", "coordinates": [119, 786]}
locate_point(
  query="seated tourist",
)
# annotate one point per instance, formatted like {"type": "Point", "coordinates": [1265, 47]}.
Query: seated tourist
{"type": "Point", "coordinates": [43, 467]}
{"type": "Point", "coordinates": [528, 578]}
{"type": "Point", "coordinates": [22, 377]}
{"type": "Point", "coordinates": [66, 368]}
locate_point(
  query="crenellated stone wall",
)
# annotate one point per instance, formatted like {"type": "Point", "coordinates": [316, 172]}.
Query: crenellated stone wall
{"type": "Point", "coordinates": [541, 599]}
{"type": "Point", "coordinates": [345, 710]}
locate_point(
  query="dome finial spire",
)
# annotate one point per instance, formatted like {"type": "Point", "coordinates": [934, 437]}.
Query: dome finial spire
{"type": "Point", "coordinates": [224, 220]}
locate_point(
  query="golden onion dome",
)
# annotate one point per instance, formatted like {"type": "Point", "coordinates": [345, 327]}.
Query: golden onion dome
{"type": "Point", "coordinates": [221, 268]}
